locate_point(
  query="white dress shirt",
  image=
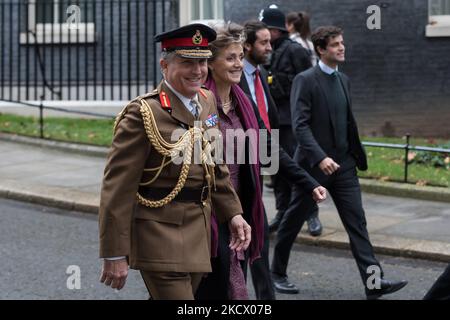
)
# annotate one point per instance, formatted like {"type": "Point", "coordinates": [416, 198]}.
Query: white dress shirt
{"type": "Point", "coordinates": [327, 69]}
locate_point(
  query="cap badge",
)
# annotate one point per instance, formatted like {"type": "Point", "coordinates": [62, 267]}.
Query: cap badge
{"type": "Point", "coordinates": [197, 38]}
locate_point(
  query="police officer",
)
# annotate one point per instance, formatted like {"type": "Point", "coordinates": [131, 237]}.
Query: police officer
{"type": "Point", "coordinates": [154, 211]}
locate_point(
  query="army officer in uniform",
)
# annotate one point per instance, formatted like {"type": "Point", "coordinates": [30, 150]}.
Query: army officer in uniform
{"type": "Point", "coordinates": [155, 212]}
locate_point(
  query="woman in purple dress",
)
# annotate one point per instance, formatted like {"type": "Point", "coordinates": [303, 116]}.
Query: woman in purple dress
{"type": "Point", "coordinates": [235, 112]}
{"type": "Point", "coordinates": [239, 124]}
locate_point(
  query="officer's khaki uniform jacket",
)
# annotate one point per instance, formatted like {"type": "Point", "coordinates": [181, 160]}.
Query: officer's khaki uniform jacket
{"type": "Point", "coordinates": [175, 237]}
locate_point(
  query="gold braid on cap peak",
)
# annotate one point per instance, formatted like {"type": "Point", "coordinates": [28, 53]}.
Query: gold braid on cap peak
{"type": "Point", "coordinates": [195, 53]}
{"type": "Point", "coordinates": [169, 150]}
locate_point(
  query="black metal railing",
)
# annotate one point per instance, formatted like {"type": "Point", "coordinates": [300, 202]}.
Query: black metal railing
{"type": "Point", "coordinates": [80, 49]}
{"type": "Point", "coordinates": [407, 147]}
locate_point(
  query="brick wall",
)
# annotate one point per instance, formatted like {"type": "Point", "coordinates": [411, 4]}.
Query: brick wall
{"type": "Point", "coordinates": [400, 78]}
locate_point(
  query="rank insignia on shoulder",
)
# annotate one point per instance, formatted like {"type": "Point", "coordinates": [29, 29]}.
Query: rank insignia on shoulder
{"type": "Point", "coordinates": [165, 102]}
{"type": "Point", "coordinates": [203, 93]}
{"type": "Point", "coordinates": [212, 120]}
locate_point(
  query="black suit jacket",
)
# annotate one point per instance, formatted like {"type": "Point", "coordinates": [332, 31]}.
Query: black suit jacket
{"type": "Point", "coordinates": [313, 120]}
{"type": "Point", "coordinates": [288, 169]}
{"type": "Point", "coordinates": [289, 58]}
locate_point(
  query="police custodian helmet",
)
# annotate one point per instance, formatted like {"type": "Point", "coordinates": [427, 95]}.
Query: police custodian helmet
{"type": "Point", "coordinates": [273, 17]}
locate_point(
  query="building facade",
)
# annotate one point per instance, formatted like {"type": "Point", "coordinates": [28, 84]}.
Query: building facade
{"type": "Point", "coordinates": [400, 72]}
{"type": "Point", "coordinates": [81, 49]}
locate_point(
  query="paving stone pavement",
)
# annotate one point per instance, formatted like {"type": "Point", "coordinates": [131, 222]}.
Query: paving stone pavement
{"type": "Point", "coordinates": [397, 226]}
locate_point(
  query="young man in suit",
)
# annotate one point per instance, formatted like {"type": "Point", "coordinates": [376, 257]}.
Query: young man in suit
{"type": "Point", "coordinates": [330, 150]}
{"type": "Point", "coordinates": [253, 82]}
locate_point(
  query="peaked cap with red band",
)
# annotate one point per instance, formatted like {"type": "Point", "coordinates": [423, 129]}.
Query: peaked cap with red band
{"type": "Point", "coordinates": [190, 41]}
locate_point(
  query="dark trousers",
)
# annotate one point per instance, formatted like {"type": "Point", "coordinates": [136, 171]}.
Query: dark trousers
{"type": "Point", "coordinates": [214, 286]}
{"type": "Point", "coordinates": [260, 270]}
{"type": "Point", "coordinates": [282, 189]}
{"type": "Point", "coordinates": [441, 288]}
{"type": "Point", "coordinates": [344, 188]}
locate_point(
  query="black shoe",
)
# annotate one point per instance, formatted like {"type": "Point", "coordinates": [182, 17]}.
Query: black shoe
{"type": "Point", "coordinates": [314, 226]}
{"type": "Point", "coordinates": [386, 287]}
{"type": "Point", "coordinates": [282, 285]}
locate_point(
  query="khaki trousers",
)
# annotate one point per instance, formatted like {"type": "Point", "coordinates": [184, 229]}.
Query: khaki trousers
{"type": "Point", "coordinates": [171, 285]}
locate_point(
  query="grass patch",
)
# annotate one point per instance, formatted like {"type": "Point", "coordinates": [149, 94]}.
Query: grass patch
{"type": "Point", "coordinates": [388, 164]}
{"type": "Point", "coordinates": [88, 131]}
{"type": "Point", "coordinates": [384, 163]}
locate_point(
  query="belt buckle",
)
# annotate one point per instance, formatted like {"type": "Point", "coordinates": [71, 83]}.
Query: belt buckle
{"type": "Point", "coordinates": [204, 195]}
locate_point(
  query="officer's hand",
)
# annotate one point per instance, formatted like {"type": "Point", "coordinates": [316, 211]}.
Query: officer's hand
{"type": "Point", "coordinates": [319, 194]}
{"type": "Point", "coordinates": [328, 166]}
{"type": "Point", "coordinates": [114, 273]}
{"type": "Point", "coordinates": [240, 233]}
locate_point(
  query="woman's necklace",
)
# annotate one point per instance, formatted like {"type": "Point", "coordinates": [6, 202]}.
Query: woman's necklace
{"type": "Point", "coordinates": [226, 106]}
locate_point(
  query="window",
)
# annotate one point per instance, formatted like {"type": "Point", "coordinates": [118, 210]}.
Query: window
{"type": "Point", "coordinates": [439, 18]}
{"type": "Point", "coordinates": [55, 11]}
{"type": "Point", "coordinates": [439, 7]}
{"type": "Point", "coordinates": [200, 10]}
{"type": "Point", "coordinates": [59, 21]}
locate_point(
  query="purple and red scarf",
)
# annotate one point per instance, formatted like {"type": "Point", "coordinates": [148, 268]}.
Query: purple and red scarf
{"type": "Point", "coordinates": [246, 114]}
